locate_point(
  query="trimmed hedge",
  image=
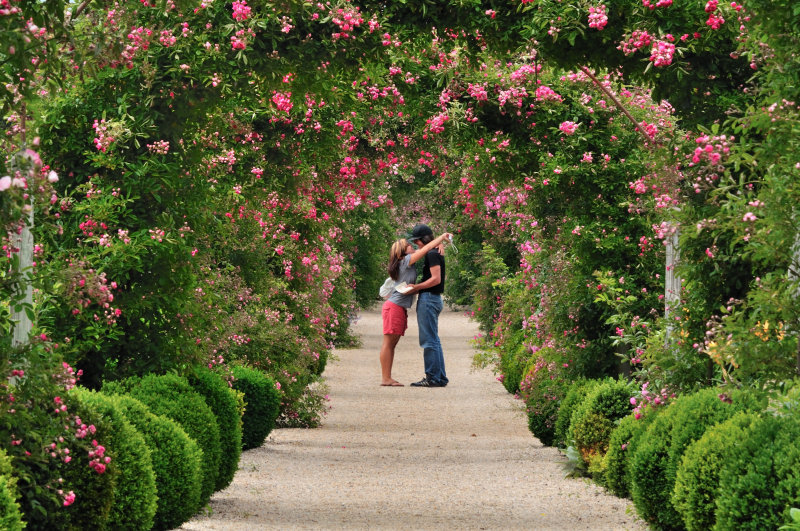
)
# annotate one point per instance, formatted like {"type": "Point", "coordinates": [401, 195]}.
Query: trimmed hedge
{"type": "Point", "coordinates": [512, 367]}
{"type": "Point", "coordinates": [171, 395]}
{"type": "Point", "coordinates": [697, 478]}
{"type": "Point", "coordinates": [134, 499]}
{"type": "Point", "coordinates": [263, 404]}
{"type": "Point", "coordinates": [542, 404]}
{"type": "Point", "coordinates": [594, 419]}
{"type": "Point", "coordinates": [695, 413]}
{"type": "Point", "coordinates": [177, 463]}
{"type": "Point", "coordinates": [688, 417]}
{"type": "Point", "coordinates": [760, 481]}
{"type": "Point", "coordinates": [621, 446]}
{"type": "Point", "coordinates": [222, 401]}
{"type": "Point", "coordinates": [572, 398]}
{"type": "Point", "coordinates": [647, 472]}
{"type": "Point", "coordinates": [10, 516]}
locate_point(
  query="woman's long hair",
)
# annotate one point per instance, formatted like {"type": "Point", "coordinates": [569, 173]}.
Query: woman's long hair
{"type": "Point", "coordinates": [396, 256]}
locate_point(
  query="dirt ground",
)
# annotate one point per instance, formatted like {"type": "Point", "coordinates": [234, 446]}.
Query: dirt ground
{"type": "Point", "coordinates": [459, 457]}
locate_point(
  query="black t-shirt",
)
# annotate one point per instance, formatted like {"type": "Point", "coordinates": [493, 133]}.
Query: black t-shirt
{"type": "Point", "coordinates": [432, 259]}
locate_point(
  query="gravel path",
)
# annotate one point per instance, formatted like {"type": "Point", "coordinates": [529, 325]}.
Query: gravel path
{"type": "Point", "coordinates": [459, 457]}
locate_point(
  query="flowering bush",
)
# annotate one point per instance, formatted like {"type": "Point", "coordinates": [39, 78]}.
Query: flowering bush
{"type": "Point", "coordinates": [309, 410]}
{"type": "Point", "coordinates": [52, 441]}
{"type": "Point", "coordinates": [689, 46]}
{"type": "Point", "coordinates": [87, 491]}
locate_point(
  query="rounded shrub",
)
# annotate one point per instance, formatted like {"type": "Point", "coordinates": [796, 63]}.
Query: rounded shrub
{"type": "Point", "coordinates": [689, 417]}
{"type": "Point", "coordinates": [134, 499]}
{"type": "Point", "coordinates": [542, 406]}
{"type": "Point", "coordinates": [10, 516]}
{"type": "Point", "coordinates": [621, 445]}
{"type": "Point", "coordinates": [222, 400]}
{"type": "Point", "coordinates": [594, 419]}
{"type": "Point", "coordinates": [177, 463]}
{"type": "Point", "coordinates": [262, 404]}
{"type": "Point", "coordinates": [591, 434]}
{"type": "Point", "coordinates": [697, 478]}
{"type": "Point", "coordinates": [171, 395]}
{"type": "Point", "coordinates": [695, 413]}
{"type": "Point", "coordinates": [543, 388]}
{"type": "Point", "coordinates": [760, 481]}
{"type": "Point", "coordinates": [512, 366]}
{"type": "Point", "coordinates": [575, 394]}
{"type": "Point", "coordinates": [650, 490]}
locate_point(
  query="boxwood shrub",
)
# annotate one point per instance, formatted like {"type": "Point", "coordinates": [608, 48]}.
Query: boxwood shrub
{"type": "Point", "coordinates": [10, 516]}
{"type": "Point", "coordinates": [697, 478]}
{"type": "Point", "coordinates": [222, 401]}
{"type": "Point", "coordinates": [172, 396]}
{"type": "Point", "coordinates": [262, 404]}
{"type": "Point", "coordinates": [648, 479]}
{"type": "Point", "coordinates": [760, 482]}
{"type": "Point", "coordinates": [575, 395]}
{"type": "Point", "coordinates": [177, 463]}
{"type": "Point", "coordinates": [689, 417]}
{"type": "Point", "coordinates": [543, 388]}
{"type": "Point", "coordinates": [621, 446]}
{"type": "Point", "coordinates": [593, 420]}
{"type": "Point", "coordinates": [512, 366]}
{"type": "Point", "coordinates": [134, 500]}
{"type": "Point", "coordinates": [697, 412]}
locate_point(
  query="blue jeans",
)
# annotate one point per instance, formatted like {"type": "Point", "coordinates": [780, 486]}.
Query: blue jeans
{"type": "Point", "coordinates": [429, 306]}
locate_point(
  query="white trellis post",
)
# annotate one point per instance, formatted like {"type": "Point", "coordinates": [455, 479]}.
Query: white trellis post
{"type": "Point", "coordinates": [672, 282]}
{"type": "Point", "coordinates": [24, 242]}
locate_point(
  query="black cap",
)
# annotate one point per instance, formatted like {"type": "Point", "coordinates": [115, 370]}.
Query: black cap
{"type": "Point", "coordinates": [419, 231]}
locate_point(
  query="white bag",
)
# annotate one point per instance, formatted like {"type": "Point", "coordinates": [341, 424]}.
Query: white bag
{"type": "Point", "coordinates": [387, 288]}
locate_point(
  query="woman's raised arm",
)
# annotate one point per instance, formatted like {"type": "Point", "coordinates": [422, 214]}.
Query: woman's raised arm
{"type": "Point", "coordinates": [422, 251]}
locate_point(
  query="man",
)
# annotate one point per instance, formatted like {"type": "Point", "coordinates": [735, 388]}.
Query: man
{"type": "Point", "coordinates": [429, 306]}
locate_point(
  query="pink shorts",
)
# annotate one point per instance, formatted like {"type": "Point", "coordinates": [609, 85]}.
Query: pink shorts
{"type": "Point", "coordinates": [395, 319]}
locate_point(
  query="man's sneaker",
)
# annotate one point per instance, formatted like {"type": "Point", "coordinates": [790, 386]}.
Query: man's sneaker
{"type": "Point", "coordinates": [425, 382]}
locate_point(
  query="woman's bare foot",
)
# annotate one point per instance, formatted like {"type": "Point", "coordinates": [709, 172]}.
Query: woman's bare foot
{"type": "Point", "coordinates": [392, 383]}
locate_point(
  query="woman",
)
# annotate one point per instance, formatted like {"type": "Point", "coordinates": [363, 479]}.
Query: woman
{"type": "Point", "coordinates": [395, 310]}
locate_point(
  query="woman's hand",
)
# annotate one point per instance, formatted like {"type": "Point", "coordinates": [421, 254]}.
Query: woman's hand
{"type": "Point", "coordinates": [446, 237]}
